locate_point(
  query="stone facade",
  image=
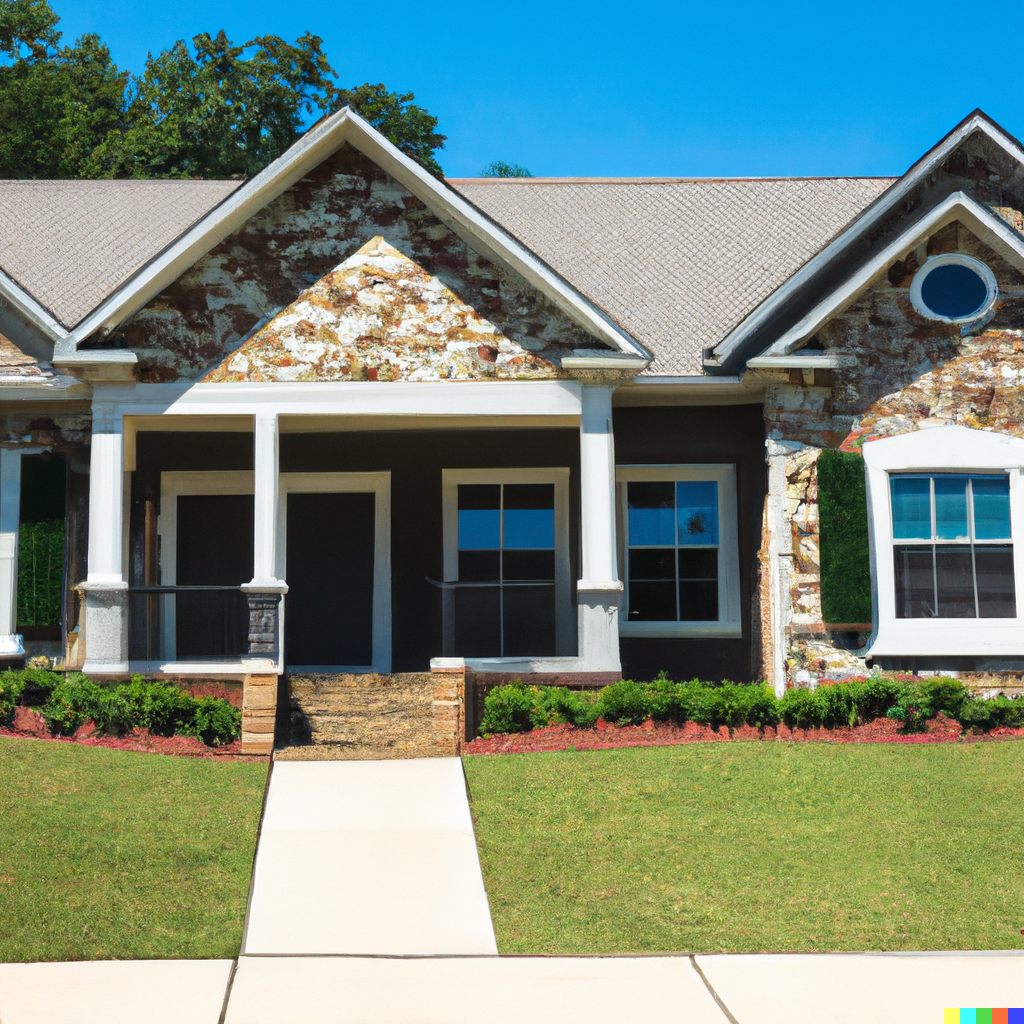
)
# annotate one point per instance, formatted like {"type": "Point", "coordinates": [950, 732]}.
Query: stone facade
{"type": "Point", "coordinates": [369, 716]}
{"type": "Point", "coordinates": [259, 713]}
{"type": "Point", "coordinates": [899, 372]}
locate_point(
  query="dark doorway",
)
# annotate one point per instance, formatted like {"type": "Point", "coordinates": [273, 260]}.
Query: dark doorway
{"type": "Point", "coordinates": [214, 549]}
{"type": "Point", "coordinates": [329, 607]}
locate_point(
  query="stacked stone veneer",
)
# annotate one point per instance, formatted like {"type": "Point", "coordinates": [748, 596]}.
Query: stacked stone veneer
{"type": "Point", "coordinates": [259, 711]}
{"type": "Point", "coordinates": [369, 716]}
{"type": "Point", "coordinates": [898, 372]}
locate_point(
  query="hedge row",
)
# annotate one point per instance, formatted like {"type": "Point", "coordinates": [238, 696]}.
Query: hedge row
{"type": "Point", "coordinates": [515, 707]}
{"type": "Point", "coordinates": [67, 702]}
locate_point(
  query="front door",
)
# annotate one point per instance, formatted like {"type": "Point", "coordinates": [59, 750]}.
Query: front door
{"type": "Point", "coordinates": [336, 533]}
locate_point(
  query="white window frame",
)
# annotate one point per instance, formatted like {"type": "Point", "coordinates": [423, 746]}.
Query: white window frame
{"type": "Point", "coordinates": [565, 617]}
{"type": "Point", "coordinates": [959, 260]}
{"type": "Point", "coordinates": [729, 622]}
{"type": "Point", "coordinates": [946, 449]}
{"type": "Point", "coordinates": [379, 484]}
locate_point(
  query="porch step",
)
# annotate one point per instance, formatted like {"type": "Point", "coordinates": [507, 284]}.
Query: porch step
{"type": "Point", "coordinates": [365, 716]}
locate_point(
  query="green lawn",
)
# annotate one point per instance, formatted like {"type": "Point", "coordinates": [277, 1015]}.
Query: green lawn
{"type": "Point", "coordinates": [754, 847]}
{"type": "Point", "coordinates": [112, 854]}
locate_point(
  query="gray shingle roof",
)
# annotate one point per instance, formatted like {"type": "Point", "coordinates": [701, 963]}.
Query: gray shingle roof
{"type": "Point", "coordinates": [676, 262]}
{"type": "Point", "coordinates": [69, 244]}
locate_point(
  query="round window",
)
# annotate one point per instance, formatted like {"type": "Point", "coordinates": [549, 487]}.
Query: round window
{"type": "Point", "coordinates": [953, 288]}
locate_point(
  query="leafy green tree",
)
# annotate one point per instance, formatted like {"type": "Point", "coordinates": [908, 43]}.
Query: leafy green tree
{"type": "Point", "coordinates": [500, 169]}
{"type": "Point", "coordinates": [214, 110]}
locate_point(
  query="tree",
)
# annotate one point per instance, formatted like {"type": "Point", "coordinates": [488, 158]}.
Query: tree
{"type": "Point", "coordinates": [500, 169]}
{"type": "Point", "coordinates": [214, 110]}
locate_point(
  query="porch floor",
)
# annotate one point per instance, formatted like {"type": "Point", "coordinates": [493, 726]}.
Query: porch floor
{"type": "Point", "coordinates": [368, 857]}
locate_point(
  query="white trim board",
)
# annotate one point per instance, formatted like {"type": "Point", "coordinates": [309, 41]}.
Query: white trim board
{"type": "Point", "coordinates": [729, 623]}
{"type": "Point", "coordinates": [313, 148]}
{"type": "Point", "coordinates": [425, 399]}
{"type": "Point", "coordinates": [948, 449]}
{"type": "Point", "coordinates": [379, 484]}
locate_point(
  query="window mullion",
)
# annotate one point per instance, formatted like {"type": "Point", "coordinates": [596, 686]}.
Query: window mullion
{"type": "Point", "coordinates": [501, 569]}
{"type": "Point", "coordinates": [935, 567]}
{"type": "Point", "coordinates": [970, 540]}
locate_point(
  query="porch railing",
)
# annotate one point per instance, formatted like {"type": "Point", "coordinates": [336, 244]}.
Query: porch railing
{"type": "Point", "coordinates": [202, 624]}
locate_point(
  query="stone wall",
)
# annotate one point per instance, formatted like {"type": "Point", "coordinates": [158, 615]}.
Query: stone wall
{"type": "Point", "coordinates": [368, 716]}
{"type": "Point", "coordinates": [899, 372]}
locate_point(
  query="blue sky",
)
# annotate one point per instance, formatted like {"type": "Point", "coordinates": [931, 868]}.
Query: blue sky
{"type": "Point", "coordinates": [641, 89]}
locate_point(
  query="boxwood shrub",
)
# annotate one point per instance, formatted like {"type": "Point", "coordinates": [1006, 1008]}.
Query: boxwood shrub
{"type": "Point", "coordinates": [69, 701]}
{"type": "Point", "coordinates": [515, 707]}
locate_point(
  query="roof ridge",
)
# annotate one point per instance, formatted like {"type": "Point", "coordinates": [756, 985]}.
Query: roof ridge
{"type": "Point", "coordinates": [667, 181]}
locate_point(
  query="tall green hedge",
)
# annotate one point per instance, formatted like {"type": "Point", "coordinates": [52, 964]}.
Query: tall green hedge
{"type": "Point", "coordinates": [843, 526]}
{"type": "Point", "coordinates": [40, 573]}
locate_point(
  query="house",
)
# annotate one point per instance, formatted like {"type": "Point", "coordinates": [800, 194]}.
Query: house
{"type": "Point", "coordinates": [345, 421]}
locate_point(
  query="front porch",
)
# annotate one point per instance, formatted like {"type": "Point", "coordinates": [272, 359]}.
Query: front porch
{"type": "Point", "coordinates": [351, 529]}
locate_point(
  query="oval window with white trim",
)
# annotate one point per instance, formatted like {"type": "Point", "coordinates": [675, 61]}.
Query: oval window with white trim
{"type": "Point", "coordinates": [953, 288]}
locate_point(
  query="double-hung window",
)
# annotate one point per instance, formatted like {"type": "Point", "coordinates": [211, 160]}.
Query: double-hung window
{"type": "Point", "coordinates": [952, 546]}
{"type": "Point", "coordinates": [507, 577]}
{"type": "Point", "coordinates": [677, 526]}
{"type": "Point", "coordinates": [945, 511]}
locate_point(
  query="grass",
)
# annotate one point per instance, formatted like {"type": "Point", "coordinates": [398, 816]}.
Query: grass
{"type": "Point", "coordinates": [112, 854]}
{"type": "Point", "coordinates": [754, 847]}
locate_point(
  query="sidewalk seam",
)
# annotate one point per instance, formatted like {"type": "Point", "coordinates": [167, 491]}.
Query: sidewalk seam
{"type": "Point", "coordinates": [714, 995]}
{"type": "Point", "coordinates": [227, 991]}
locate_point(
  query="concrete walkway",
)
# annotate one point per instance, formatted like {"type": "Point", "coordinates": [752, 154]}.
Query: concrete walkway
{"type": "Point", "coordinates": [368, 857]}
{"type": "Point", "coordinates": [114, 992]}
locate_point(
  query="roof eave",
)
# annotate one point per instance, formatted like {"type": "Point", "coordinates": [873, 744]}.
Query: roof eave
{"type": "Point", "coordinates": [30, 310]}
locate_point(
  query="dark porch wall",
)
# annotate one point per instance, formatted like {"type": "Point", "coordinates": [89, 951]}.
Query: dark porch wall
{"type": "Point", "coordinates": [684, 435]}
{"type": "Point", "coordinates": [416, 459]}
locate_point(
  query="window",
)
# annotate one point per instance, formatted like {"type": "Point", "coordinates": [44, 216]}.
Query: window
{"type": "Point", "coordinates": [953, 288]}
{"type": "Point", "coordinates": [506, 563]}
{"type": "Point", "coordinates": [678, 539]}
{"type": "Point", "coordinates": [944, 505]}
{"type": "Point", "coordinates": [952, 548]}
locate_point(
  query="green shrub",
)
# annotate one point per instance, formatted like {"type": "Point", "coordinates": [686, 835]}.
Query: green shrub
{"type": "Point", "coordinates": [625, 702]}
{"type": "Point", "coordinates": [39, 684]}
{"type": "Point", "coordinates": [801, 709]}
{"type": "Point", "coordinates": [214, 721]}
{"type": "Point", "coordinates": [76, 701]}
{"type": "Point", "coordinates": [875, 696]}
{"type": "Point", "coordinates": [158, 706]}
{"type": "Point", "coordinates": [11, 686]}
{"type": "Point", "coordinates": [511, 707]}
{"type": "Point", "coordinates": [843, 529]}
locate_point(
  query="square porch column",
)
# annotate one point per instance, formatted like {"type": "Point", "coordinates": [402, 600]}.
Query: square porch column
{"type": "Point", "coordinates": [10, 512]}
{"type": "Point", "coordinates": [106, 589]}
{"type": "Point", "coordinates": [598, 591]}
{"type": "Point", "coordinates": [265, 591]}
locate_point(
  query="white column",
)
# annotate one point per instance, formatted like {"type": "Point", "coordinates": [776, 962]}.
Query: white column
{"type": "Point", "coordinates": [106, 597]}
{"type": "Point", "coordinates": [598, 590]}
{"type": "Point", "coordinates": [10, 508]}
{"type": "Point", "coordinates": [266, 628]}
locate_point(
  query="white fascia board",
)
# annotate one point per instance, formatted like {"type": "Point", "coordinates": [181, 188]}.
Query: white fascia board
{"type": "Point", "coordinates": [799, 362]}
{"type": "Point", "coordinates": [30, 310]}
{"type": "Point", "coordinates": [312, 149]}
{"type": "Point", "coordinates": [988, 226]}
{"type": "Point", "coordinates": [612, 361]}
{"type": "Point", "coordinates": [890, 198]}
{"type": "Point", "coordinates": [348, 398]}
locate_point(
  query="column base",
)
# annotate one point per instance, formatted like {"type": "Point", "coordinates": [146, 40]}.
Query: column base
{"type": "Point", "coordinates": [599, 628]}
{"type": "Point", "coordinates": [259, 713]}
{"type": "Point", "coordinates": [106, 631]}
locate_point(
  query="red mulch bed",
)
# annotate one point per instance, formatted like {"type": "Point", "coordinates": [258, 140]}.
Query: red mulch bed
{"type": "Point", "coordinates": [606, 736]}
{"type": "Point", "coordinates": [138, 740]}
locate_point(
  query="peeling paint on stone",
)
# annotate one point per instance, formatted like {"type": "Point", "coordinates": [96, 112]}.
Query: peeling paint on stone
{"type": "Point", "coordinates": [303, 235]}
{"type": "Point", "coordinates": [379, 316]}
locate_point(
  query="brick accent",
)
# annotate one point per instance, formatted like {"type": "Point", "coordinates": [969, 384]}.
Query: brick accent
{"type": "Point", "coordinates": [259, 711]}
{"type": "Point", "coordinates": [369, 716]}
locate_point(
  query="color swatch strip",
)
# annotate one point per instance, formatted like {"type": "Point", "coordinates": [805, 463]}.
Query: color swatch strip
{"type": "Point", "coordinates": [983, 1015]}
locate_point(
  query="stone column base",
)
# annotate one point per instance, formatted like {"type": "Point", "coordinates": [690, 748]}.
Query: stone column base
{"type": "Point", "coordinates": [259, 713]}
{"type": "Point", "coordinates": [449, 705]}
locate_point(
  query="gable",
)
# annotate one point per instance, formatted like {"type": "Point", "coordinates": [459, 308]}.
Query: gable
{"type": "Point", "coordinates": [976, 175]}
{"type": "Point", "coordinates": [305, 233]}
{"type": "Point", "coordinates": [379, 316]}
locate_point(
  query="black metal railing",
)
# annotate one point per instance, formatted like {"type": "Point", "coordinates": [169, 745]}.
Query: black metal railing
{"type": "Point", "coordinates": [201, 624]}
